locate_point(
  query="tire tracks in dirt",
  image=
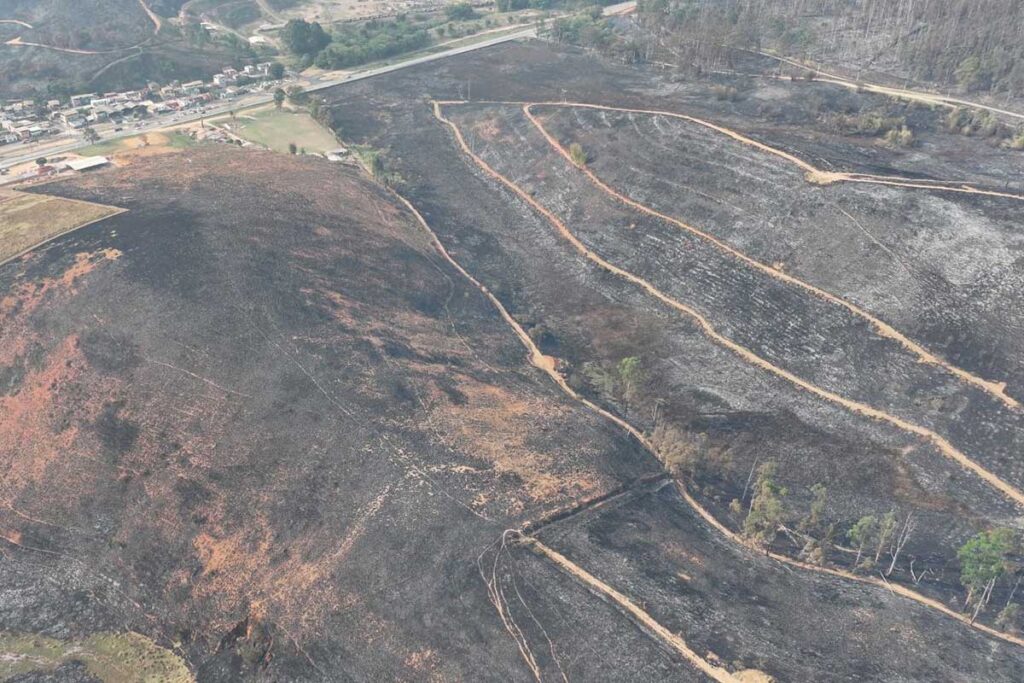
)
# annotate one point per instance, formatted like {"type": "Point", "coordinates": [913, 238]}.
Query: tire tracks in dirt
{"type": "Point", "coordinates": [943, 445]}
{"type": "Point", "coordinates": [547, 365]}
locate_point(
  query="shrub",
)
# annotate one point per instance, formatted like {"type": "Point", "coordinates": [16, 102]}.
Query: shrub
{"type": "Point", "coordinates": [578, 154]}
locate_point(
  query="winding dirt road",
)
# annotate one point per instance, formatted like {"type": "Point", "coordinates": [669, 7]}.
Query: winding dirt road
{"type": "Point", "coordinates": [996, 389]}
{"type": "Point", "coordinates": [18, 42]}
{"type": "Point", "coordinates": [941, 443]}
{"type": "Point", "coordinates": [158, 22]}
{"type": "Point", "coordinates": [547, 365]}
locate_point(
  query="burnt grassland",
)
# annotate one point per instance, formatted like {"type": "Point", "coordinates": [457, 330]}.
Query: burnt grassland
{"type": "Point", "coordinates": [256, 418]}
{"type": "Point", "coordinates": [262, 420]}
{"type": "Point", "coordinates": [715, 414]}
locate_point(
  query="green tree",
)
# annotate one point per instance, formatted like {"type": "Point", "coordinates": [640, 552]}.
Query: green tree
{"type": "Point", "coordinates": [304, 38]}
{"type": "Point", "coordinates": [984, 559]}
{"type": "Point", "coordinates": [578, 154]}
{"type": "Point", "coordinates": [90, 134]}
{"type": "Point", "coordinates": [292, 149]}
{"type": "Point", "coordinates": [276, 70]}
{"type": "Point", "coordinates": [862, 534]}
{"type": "Point", "coordinates": [297, 95]}
{"type": "Point", "coordinates": [1008, 618]}
{"type": "Point", "coordinates": [968, 72]}
{"type": "Point", "coordinates": [630, 375]}
{"type": "Point", "coordinates": [377, 169]}
{"type": "Point", "coordinates": [41, 161]}
{"type": "Point", "coordinates": [812, 522]}
{"type": "Point", "coordinates": [885, 531]}
{"type": "Point", "coordinates": [279, 96]}
{"type": "Point", "coordinates": [766, 513]}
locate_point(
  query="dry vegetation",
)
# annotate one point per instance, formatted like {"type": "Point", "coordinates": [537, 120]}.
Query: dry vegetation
{"type": "Point", "coordinates": [30, 219]}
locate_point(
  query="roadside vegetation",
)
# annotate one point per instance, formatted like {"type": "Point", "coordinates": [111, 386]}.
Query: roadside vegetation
{"type": "Point", "coordinates": [174, 139]}
{"type": "Point", "coordinates": [955, 43]}
{"type": "Point", "coordinates": [353, 44]}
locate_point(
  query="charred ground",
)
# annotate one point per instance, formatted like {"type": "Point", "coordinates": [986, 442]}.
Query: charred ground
{"type": "Point", "coordinates": [931, 263]}
{"type": "Point", "coordinates": [261, 419]}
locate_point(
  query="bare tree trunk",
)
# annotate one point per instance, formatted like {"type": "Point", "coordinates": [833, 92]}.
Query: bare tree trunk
{"type": "Point", "coordinates": [901, 540]}
{"type": "Point", "coordinates": [747, 485]}
{"type": "Point", "coordinates": [983, 600]}
{"type": "Point", "coordinates": [1014, 591]}
{"type": "Point", "coordinates": [915, 577]}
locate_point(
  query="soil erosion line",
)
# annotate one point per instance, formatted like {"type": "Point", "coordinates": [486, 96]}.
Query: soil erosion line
{"type": "Point", "coordinates": [995, 389]}
{"type": "Point", "coordinates": [940, 442]}
{"type": "Point", "coordinates": [547, 365]}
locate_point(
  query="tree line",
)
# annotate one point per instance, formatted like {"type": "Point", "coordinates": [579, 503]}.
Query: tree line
{"type": "Point", "coordinates": [877, 542]}
{"type": "Point", "coordinates": [974, 45]}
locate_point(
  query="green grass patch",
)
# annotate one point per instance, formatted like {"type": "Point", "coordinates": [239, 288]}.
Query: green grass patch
{"type": "Point", "coordinates": [110, 657]}
{"type": "Point", "coordinates": [276, 129]}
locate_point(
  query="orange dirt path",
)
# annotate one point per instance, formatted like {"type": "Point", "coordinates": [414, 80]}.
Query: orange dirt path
{"type": "Point", "coordinates": [547, 365]}
{"type": "Point", "coordinates": [884, 329]}
{"type": "Point", "coordinates": [642, 618]}
{"type": "Point", "coordinates": [941, 443]}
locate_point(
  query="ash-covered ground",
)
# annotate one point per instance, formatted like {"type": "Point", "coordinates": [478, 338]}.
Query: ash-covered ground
{"type": "Point", "coordinates": [262, 420]}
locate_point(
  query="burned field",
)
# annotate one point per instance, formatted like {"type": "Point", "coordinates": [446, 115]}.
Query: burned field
{"type": "Point", "coordinates": [265, 424]}
{"type": "Point", "coordinates": [850, 319]}
{"type": "Point", "coordinates": [276, 422]}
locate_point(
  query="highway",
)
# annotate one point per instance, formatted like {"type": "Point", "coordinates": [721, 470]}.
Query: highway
{"type": "Point", "coordinates": [20, 154]}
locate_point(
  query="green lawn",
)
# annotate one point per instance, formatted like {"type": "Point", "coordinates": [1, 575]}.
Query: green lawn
{"type": "Point", "coordinates": [277, 128]}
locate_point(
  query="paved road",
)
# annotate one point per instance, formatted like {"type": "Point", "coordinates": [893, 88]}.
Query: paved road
{"type": "Point", "coordinates": [311, 85]}
{"type": "Point", "coordinates": [20, 154]}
